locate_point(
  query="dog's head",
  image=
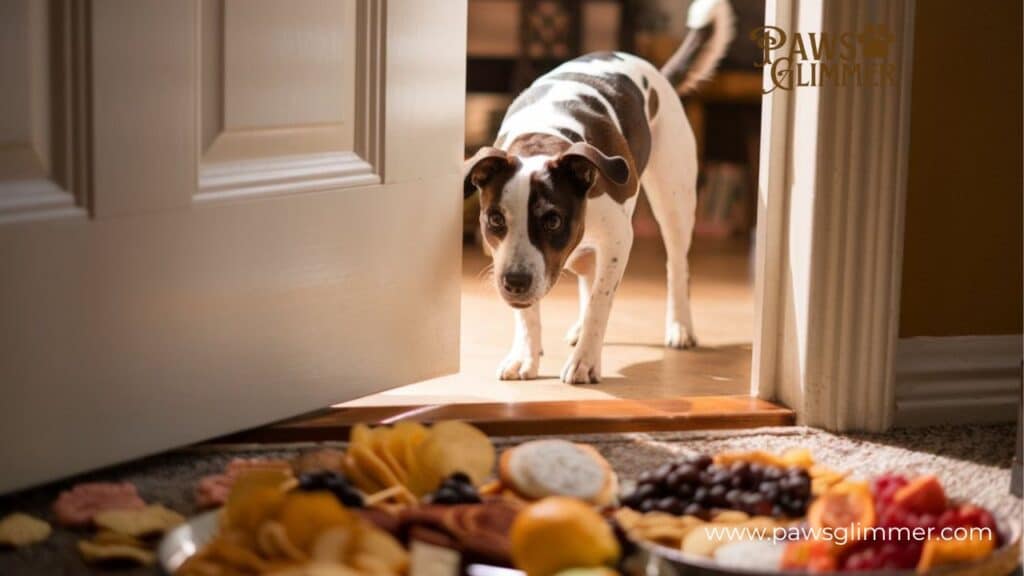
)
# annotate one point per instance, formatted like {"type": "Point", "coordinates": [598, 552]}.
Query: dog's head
{"type": "Point", "coordinates": [532, 210]}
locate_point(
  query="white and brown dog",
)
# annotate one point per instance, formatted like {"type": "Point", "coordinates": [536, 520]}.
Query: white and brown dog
{"type": "Point", "coordinates": [559, 186]}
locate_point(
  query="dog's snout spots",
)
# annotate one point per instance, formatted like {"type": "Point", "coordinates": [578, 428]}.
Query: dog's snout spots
{"type": "Point", "coordinates": [517, 282]}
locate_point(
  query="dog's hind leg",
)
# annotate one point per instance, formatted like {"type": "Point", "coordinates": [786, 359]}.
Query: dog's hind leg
{"type": "Point", "coordinates": [670, 181]}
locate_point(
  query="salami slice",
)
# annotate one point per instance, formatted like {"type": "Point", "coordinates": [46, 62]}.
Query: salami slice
{"type": "Point", "coordinates": [77, 506]}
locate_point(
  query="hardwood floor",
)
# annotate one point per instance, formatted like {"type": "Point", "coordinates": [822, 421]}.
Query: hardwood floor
{"type": "Point", "coordinates": [645, 386]}
{"type": "Point", "coordinates": [635, 364]}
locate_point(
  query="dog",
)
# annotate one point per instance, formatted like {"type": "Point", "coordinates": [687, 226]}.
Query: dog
{"type": "Point", "coordinates": [559, 186]}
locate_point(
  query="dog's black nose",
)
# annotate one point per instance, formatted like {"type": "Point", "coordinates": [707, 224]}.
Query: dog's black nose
{"type": "Point", "coordinates": [516, 282]}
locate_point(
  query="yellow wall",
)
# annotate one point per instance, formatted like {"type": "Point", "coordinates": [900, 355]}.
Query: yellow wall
{"type": "Point", "coordinates": [962, 255]}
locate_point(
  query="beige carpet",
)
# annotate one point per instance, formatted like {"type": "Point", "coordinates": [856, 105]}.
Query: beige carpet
{"type": "Point", "coordinates": [973, 462]}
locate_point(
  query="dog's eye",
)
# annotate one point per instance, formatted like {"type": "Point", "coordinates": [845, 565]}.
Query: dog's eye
{"type": "Point", "coordinates": [552, 221]}
{"type": "Point", "coordinates": [495, 220]}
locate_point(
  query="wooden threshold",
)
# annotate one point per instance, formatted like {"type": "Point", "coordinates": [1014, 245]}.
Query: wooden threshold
{"type": "Point", "coordinates": [526, 418]}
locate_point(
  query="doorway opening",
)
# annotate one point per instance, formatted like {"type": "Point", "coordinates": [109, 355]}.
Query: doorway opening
{"type": "Point", "coordinates": [510, 43]}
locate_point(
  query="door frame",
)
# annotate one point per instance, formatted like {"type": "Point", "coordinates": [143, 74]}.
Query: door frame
{"type": "Point", "coordinates": [831, 196]}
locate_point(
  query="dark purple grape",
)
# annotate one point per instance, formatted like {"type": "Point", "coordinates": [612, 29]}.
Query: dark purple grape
{"type": "Point", "coordinates": [670, 504]}
{"type": "Point", "coordinates": [769, 489]}
{"type": "Point", "coordinates": [646, 477]}
{"type": "Point", "coordinates": [674, 480]}
{"type": "Point", "coordinates": [701, 461]}
{"type": "Point", "coordinates": [688, 473]}
{"type": "Point", "coordinates": [645, 491]}
{"type": "Point", "coordinates": [716, 495]}
{"type": "Point", "coordinates": [756, 471]}
{"type": "Point", "coordinates": [734, 497]}
{"type": "Point", "coordinates": [333, 482]}
{"type": "Point", "coordinates": [698, 511]}
{"type": "Point", "coordinates": [685, 491]}
{"type": "Point", "coordinates": [700, 495]}
{"type": "Point", "coordinates": [455, 489]}
{"type": "Point", "coordinates": [648, 505]}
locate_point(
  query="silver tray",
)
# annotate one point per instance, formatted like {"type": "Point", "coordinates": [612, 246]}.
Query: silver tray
{"type": "Point", "coordinates": [185, 540]}
{"type": "Point", "coordinates": [653, 560]}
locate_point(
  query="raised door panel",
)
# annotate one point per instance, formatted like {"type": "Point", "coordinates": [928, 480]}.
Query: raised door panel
{"type": "Point", "coordinates": [37, 161]}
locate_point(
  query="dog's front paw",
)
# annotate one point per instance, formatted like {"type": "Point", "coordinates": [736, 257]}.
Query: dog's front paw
{"type": "Point", "coordinates": [677, 336]}
{"type": "Point", "coordinates": [519, 365]}
{"type": "Point", "coordinates": [573, 335]}
{"type": "Point", "coordinates": [583, 367]}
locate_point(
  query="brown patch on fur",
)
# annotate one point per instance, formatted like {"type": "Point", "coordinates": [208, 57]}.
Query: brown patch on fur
{"type": "Point", "coordinates": [560, 195]}
{"type": "Point", "coordinates": [602, 134]}
{"type": "Point", "coordinates": [652, 104]}
{"type": "Point", "coordinates": [628, 105]}
{"type": "Point", "coordinates": [491, 187]}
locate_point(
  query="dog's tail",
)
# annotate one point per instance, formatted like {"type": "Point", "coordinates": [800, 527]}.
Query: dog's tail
{"type": "Point", "coordinates": [711, 27]}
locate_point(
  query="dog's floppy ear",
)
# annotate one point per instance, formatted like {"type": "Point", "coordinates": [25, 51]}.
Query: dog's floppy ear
{"type": "Point", "coordinates": [582, 161]}
{"type": "Point", "coordinates": [481, 167]}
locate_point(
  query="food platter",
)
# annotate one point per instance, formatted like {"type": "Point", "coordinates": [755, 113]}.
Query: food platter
{"type": "Point", "coordinates": [649, 559]}
{"type": "Point", "coordinates": [399, 499]}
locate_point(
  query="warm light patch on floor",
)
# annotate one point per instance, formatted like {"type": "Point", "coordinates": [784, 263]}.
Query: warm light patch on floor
{"type": "Point", "coordinates": [635, 364]}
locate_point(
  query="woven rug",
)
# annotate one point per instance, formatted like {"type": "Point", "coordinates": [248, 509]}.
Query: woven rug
{"type": "Point", "coordinates": [973, 463]}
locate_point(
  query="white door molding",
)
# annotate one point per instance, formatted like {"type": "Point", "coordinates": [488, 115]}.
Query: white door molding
{"type": "Point", "coordinates": [975, 379]}
{"type": "Point", "coordinates": [831, 198]}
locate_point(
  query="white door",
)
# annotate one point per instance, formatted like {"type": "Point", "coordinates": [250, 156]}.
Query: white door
{"type": "Point", "coordinates": [219, 213]}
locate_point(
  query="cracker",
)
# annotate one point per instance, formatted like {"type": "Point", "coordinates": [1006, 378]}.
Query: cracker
{"type": "Point", "coordinates": [114, 554]}
{"type": "Point", "coordinates": [108, 537]}
{"type": "Point", "coordinates": [455, 446]}
{"type": "Point", "coordinates": [139, 522]}
{"type": "Point", "coordinates": [19, 530]}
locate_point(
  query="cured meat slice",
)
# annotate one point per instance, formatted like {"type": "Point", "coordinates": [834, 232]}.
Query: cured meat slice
{"type": "Point", "coordinates": [77, 506]}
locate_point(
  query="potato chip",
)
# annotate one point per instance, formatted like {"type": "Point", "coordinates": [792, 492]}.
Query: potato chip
{"type": "Point", "coordinates": [360, 435]}
{"type": "Point", "coordinates": [273, 543]}
{"type": "Point", "coordinates": [305, 515]}
{"type": "Point", "coordinates": [455, 446]}
{"type": "Point", "coordinates": [114, 554]}
{"type": "Point", "coordinates": [139, 522]}
{"type": "Point", "coordinates": [371, 465]}
{"type": "Point", "coordinates": [334, 544]}
{"type": "Point", "coordinates": [371, 566]}
{"type": "Point", "coordinates": [360, 478]}
{"type": "Point", "coordinates": [382, 547]}
{"type": "Point", "coordinates": [255, 497]}
{"type": "Point", "coordinates": [19, 529]}
{"type": "Point", "coordinates": [406, 434]}
{"type": "Point", "coordinates": [226, 553]}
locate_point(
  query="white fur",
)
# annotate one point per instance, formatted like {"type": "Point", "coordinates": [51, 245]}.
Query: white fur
{"type": "Point", "coordinates": [601, 257]}
{"type": "Point", "coordinates": [515, 253]}
{"type": "Point", "coordinates": [701, 13]}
